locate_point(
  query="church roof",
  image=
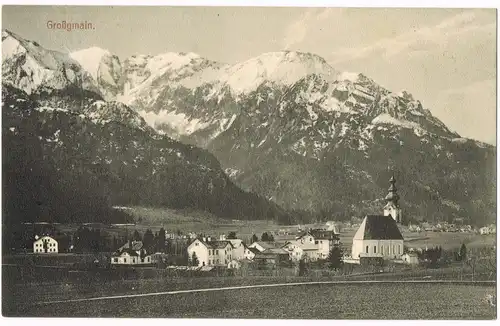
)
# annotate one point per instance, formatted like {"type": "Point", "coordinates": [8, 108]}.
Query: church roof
{"type": "Point", "coordinates": [378, 227]}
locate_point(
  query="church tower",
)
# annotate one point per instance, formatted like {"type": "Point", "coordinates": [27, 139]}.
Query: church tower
{"type": "Point", "coordinates": [392, 207]}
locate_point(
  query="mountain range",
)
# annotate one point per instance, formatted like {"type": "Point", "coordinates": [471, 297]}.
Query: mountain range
{"type": "Point", "coordinates": [284, 125]}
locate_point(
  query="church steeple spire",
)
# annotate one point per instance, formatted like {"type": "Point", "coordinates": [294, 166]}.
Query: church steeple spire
{"type": "Point", "coordinates": [392, 196]}
{"type": "Point", "coordinates": [392, 199]}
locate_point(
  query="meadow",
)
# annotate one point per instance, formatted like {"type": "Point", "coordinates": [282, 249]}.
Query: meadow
{"type": "Point", "coordinates": [325, 301]}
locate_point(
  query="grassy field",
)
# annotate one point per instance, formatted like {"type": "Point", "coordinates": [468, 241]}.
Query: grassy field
{"type": "Point", "coordinates": [336, 301]}
{"type": "Point", "coordinates": [184, 220]}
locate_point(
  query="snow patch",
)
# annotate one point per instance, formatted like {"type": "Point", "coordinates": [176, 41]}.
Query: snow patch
{"type": "Point", "coordinates": [179, 122]}
{"type": "Point", "coordinates": [385, 118]}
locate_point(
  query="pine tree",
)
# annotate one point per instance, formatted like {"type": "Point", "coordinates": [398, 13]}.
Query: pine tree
{"type": "Point", "coordinates": [136, 236]}
{"type": "Point", "coordinates": [254, 238]}
{"type": "Point", "coordinates": [463, 252]}
{"type": "Point", "coordinates": [302, 267]}
{"type": "Point", "coordinates": [148, 240]}
{"type": "Point", "coordinates": [264, 237]}
{"type": "Point", "coordinates": [160, 242]}
{"type": "Point", "coordinates": [231, 235]}
{"type": "Point", "coordinates": [194, 260]}
{"type": "Point", "coordinates": [335, 257]}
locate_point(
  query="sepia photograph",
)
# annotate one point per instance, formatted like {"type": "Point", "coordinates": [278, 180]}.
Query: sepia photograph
{"type": "Point", "coordinates": [246, 162]}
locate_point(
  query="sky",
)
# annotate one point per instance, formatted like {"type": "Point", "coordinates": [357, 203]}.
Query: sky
{"type": "Point", "coordinates": [446, 58]}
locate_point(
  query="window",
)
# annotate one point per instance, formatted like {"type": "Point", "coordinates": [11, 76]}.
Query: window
{"type": "Point", "coordinates": [124, 260]}
{"type": "Point", "coordinates": [196, 244]}
{"type": "Point", "coordinates": [382, 250]}
{"type": "Point", "coordinates": [310, 239]}
{"type": "Point", "coordinates": [321, 242]}
{"type": "Point", "coordinates": [217, 251]}
{"type": "Point", "coordinates": [316, 242]}
{"type": "Point", "coordinates": [148, 259]}
{"type": "Point", "coordinates": [115, 260]}
{"type": "Point", "coordinates": [374, 249]}
{"type": "Point", "coordinates": [366, 249]}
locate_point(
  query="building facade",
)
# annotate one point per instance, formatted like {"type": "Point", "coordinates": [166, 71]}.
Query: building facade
{"type": "Point", "coordinates": [131, 253]}
{"type": "Point", "coordinates": [211, 253]}
{"type": "Point", "coordinates": [45, 245]}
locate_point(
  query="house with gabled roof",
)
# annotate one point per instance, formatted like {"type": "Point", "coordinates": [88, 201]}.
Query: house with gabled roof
{"type": "Point", "coordinates": [263, 245]}
{"type": "Point", "coordinates": [211, 252]}
{"type": "Point", "coordinates": [131, 253]}
{"type": "Point", "coordinates": [273, 256]}
{"type": "Point", "coordinates": [45, 244]}
{"type": "Point", "coordinates": [317, 243]}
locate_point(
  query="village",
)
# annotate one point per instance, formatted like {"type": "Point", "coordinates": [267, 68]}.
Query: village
{"type": "Point", "coordinates": [377, 241]}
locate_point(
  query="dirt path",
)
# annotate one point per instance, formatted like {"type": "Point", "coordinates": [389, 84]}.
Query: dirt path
{"type": "Point", "coordinates": [256, 286]}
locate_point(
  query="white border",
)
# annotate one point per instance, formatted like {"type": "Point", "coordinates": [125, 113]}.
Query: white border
{"type": "Point", "coordinates": [264, 3]}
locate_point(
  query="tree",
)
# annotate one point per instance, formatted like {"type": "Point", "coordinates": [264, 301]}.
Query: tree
{"type": "Point", "coordinates": [136, 236]}
{"type": "Point", "coordinates": [270, 237]}
{"type": "Point", "coordinates": [160, 241]}
{"type": "Point", "coordinates": [254, 238]}
{"type": "Point", "coordinates": [302, 267]}
{"type": "Point", "coordinates": [463, 252]}
{"type": "Point", "coordinates": [148, 240]}
{"type": "Point", "coordinates": [194, 260]}
{"type": "Point", "coordinates": [231, 235]}
{"type": "Point", "coordinates": [264, 237]}
{"type": "Point", "coordinates": [335, 257]}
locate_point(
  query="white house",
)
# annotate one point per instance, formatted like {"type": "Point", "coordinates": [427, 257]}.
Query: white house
{"type": "Point", "coordinates": [238, 248]}
{"type": "Point", "coordinates": [318, 242]}
{"type": "Point", "coordinates": [211, 253]}
{"type": "Point", "coordinates": [45, 245]}
{"type": "Point", "coordinates": [131, 253]}
{"type": "Point", "coordinates": [294, 250]}
{"type": "Point", "coordinates": [410, 258]}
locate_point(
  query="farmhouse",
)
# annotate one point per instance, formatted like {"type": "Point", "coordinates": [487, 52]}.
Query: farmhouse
{"type": "Point", "coordinates": [45, 245]}
{"type": "Point", "coordinates": [273, 256]}
{"type": "Point", "coordinates": [379, 235]}
{"type": "Point", "coordinates": [131, 253]}
{"type": "Point", "coordinates": [211, 253]}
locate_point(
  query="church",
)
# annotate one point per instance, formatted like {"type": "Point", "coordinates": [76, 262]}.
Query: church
{"type": "Point", "coordinates": [379, 235]}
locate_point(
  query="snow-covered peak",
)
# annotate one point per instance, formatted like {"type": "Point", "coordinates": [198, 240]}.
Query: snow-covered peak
{"type": "Point", "coordinates": [282, 68]}
{"type": "Point", "coordinates": [29, 66]}
{"type": "Point", "coordinates": [350, 76]}
{"type": "Point", "coordinates": [104, 67]}
{"type": "Point", "coordinates": [90, 59]}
